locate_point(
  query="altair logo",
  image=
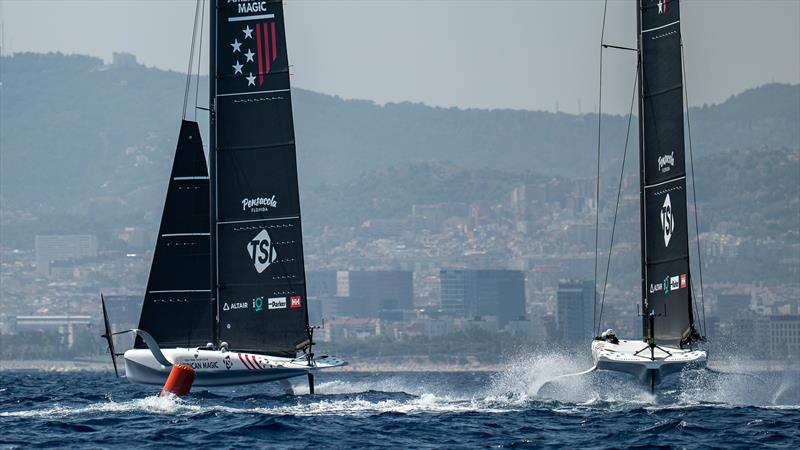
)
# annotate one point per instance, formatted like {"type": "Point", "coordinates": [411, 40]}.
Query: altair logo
{"type": "Point", "coordinates": [667, 221]}
{"type": "Point", "coordinates": [261, 251]}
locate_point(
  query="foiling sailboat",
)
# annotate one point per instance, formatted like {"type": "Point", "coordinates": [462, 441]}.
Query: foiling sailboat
{"type": "Point", "coordinates": [669, 342]}
{"type": "Point", "coordinates": [226, 293]}
{"type": "Point", "coordinates": [669, 333]}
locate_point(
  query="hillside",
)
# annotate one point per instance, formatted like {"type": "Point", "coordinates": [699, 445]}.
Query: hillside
{"type": "Point", "coordinates": [87, 145]}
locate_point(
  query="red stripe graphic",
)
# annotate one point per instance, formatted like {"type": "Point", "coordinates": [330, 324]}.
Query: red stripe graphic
{"type": "Point", "coordinates": [244, 361]}
{"type": "Point", "coordinates": [266, 49]}
{"type": "Point", "coordinates": [255, 362]}
{"type": "Point", "coordinates": [258, 43]}
{"type": "Point", "coordinates": [274, 50]}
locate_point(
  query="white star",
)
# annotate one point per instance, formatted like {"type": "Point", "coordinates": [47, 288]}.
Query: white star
{"type": "Point", "coordinates": [236, 44]}
{"type": "Point", "coordinates": [248, 32]}
{"type": "Point", "coordinates": [249, 55]}
{"type": "Point", "coordinates": [251, 80]}
{"type": "Point", "coordinates": [237, 67]}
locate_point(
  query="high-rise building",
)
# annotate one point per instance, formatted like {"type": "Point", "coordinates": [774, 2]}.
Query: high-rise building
{"type": "Point", "coordinates": [63, 247]}
{"type": "Point", "coordinates": [380, 294]}
{"type": "Point", "coordinates": [477, 293]}
{"type": "Point", "coordinates": [574, 303]}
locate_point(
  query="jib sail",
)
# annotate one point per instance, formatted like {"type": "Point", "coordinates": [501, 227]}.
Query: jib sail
{"type": "Point", "coordinates": [666, 277]}
{"type": "Point", "coordinates": [176, 304]}
{"type": "Point", "coordinates": [257, 237]}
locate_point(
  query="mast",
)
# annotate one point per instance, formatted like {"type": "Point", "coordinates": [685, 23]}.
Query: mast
{"type": "Point", "coordinates": [212, 169]}
{"type": "Point", "coordinates": [663, 207]}
{"type": "Point", "coordinates": [642, 223]}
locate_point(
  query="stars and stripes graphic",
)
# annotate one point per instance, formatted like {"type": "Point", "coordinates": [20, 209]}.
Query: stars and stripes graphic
{"type": "Point", "coordinates": [262, 39]}
{"type": "Point", "coordinates": [662, 6]}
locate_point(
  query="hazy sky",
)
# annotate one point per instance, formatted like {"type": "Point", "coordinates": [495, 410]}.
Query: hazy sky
{"type": "Point", "coordinates": [488, 54]}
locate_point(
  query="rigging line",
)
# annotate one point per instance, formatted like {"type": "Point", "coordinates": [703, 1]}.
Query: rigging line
{"type": "Point", "coordinates": [619, 193]}
{"type": "Point", "coordinates": [694, 190]}
{"type": "Point", "coordinates": [596, 323]}
{"type": "Point", "coordinates": [199, 57]}
{"type": "Point", "coordinates": [191, 60]}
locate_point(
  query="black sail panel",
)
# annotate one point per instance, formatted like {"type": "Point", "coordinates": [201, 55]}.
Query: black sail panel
{"type": "Point", "coordinates": [261, 279]}
{"type": "Point", "coordinates": [176, 305]}
{"type": "Point", "coordinates": [666, 262]}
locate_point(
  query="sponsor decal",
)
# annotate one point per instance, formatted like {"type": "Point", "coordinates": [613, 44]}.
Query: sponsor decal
{"type": "Point", "coordinates": [276, 303]}
{"type": "Point", "coordinates": [261, 251]}
{"type": "Point", "coordinates": [662, 6]}
{"type": "Point", "coordinates": [259, 204]}
{"type": "Point", "coordinates": [674, 283]}
{"type": "Point", "coordinates": [204, 363]}
{"type": "Point", "coordinates": [258, 304]}
{"type": "Point", "coordinates": [249, 6]}
{"type": "Point", "coordinates": [235, 305]}
{"type": "Point", "coordinates": [666, 162]}
{"type": "Point", "coordinates": [296, 301]}
{"type": "Point", "coordinates": [667, 221]}
{"type": "Point", "coordinates": [228, 363]}
{"type": "Point", "coordinates": [254, 49]}
{"type": "Point", "coordinates": [670, 283]}
{"type": "Point", "coordinates": [655, 287]}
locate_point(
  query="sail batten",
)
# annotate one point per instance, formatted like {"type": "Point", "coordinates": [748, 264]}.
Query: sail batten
{"type": "Point", "coordinates": [665, 260]}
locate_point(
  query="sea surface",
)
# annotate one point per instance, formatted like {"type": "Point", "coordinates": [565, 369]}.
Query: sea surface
{"type": "Point", "coordinates": [403, 410]}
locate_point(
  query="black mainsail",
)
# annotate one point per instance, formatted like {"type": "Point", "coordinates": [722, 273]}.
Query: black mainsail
{"type": "Point", "coordinates": [257, 271]}
{"type": "Point", "coordinates": [665, 248]}
{"type": "Point", "coordinates": [175, 310]}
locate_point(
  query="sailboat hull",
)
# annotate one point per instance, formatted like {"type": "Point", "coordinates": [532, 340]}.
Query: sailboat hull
{"type": "Point", "coordinates": [623, 357]}
{"type": "Point", "coordinates": [218, 368]}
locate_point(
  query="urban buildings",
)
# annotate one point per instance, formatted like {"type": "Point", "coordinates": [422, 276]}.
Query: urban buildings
{"type": "Point", "coordinates": [63, 247]}
{"type": "Point", "coordinates": [575, 301]}
{"type": "Point", "coordinates": [380, 294]}
{"type": "Point", "coordinates": [480, 293]}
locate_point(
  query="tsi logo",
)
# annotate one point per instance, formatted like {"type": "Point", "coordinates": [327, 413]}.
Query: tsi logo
{"type": "Point", "coordinates": [667, 221]}
{"type": "Point", "coordinates": [261, 251]}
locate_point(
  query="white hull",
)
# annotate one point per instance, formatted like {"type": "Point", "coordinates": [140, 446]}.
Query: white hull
{"type": "Point", "coordinates": [623, 357]}
{"type": "Point", "coordinates": [218, 368]}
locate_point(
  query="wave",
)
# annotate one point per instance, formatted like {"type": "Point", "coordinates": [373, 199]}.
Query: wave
{"type": "Point", "coordinates": [517, 388]}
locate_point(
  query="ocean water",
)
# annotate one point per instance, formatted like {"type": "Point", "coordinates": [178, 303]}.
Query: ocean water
{"type": "Point", "coordinates": [401, 410]}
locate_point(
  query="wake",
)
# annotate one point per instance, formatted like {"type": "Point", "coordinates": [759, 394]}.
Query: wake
{"type": "Point", "coordinates": [514, 389]}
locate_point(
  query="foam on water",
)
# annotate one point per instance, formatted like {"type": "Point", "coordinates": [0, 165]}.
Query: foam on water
{"type": "Point", "coordinates": [515, 388]}
{"type": "Point", "coordinates": [153, 405]}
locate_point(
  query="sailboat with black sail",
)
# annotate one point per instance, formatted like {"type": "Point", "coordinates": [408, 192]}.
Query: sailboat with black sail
{"type": "Point", "coordinates": [669, 339]}
{"type": "Point", "coordinates": [227, 292]}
